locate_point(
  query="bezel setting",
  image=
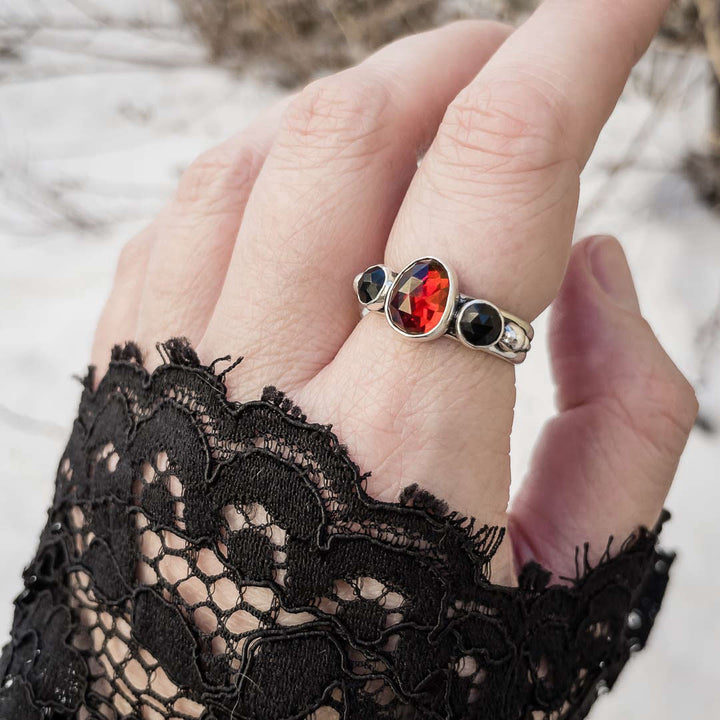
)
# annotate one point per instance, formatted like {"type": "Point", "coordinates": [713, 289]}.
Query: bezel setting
{"type": "Point", "coordinates": [379, 302]}
{"type": "Point", "coordinates": [442, 326]}
{"type": "Point", "coordinates": [458, 324]}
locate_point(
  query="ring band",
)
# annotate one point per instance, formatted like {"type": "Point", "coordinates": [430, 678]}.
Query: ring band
{"type": "Point", "coordinates": [421, 302]}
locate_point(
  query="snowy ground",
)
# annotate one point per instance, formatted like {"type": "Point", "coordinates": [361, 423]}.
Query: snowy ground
{"type": "Point", "coordinates": [96, 122]}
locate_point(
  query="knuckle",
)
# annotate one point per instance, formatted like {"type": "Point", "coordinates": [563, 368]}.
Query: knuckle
{"type": "Point", "coordinates": [342, 112]}
{"type": "Point", "coordinates": [684, 402]}
{"type": "Point", "coordinates": [216, 176]}
{"type": "Point", "coordinates": [505, 126]}
{"type": "Point", "coordinates": [665, 407]}
{"type": "Point", "coordinates": [489, 29]}
{"type": "Point", "coordinates": [133, 255]}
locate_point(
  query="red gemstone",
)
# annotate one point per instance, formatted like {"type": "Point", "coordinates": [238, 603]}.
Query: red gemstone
{"type": "Point", "coordinates": [419, 297]}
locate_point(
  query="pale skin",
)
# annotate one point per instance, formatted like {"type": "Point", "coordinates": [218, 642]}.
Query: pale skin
{"type": "Point", "coordinates": [256, 253]}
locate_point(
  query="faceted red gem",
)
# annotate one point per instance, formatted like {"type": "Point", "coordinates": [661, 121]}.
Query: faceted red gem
{"type": "Point", "coordinates": [419, 298]}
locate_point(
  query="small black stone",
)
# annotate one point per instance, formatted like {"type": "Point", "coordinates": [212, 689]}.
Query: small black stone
{"type": "Point", "coordinates": [480, 324]}
{"type": "Point", "coordinates": [370, 284]}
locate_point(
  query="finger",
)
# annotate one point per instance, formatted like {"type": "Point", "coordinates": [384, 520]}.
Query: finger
{"type": "Point", "coordinates": [195, 234]}
{"type": "Point", "coordinates": [502, 175]}
{"type": "Point", "coordinates": [118, 320]}
{"type": "Point", "coordinates": [496, 197]}
{"type": "Point", "coordinates": [604, 464]}
{"type": "Point", "coordinates": [326, 198]}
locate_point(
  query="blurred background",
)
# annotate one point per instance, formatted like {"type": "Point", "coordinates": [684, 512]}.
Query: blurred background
{"type": "Point", "coordinates": [103, 104]}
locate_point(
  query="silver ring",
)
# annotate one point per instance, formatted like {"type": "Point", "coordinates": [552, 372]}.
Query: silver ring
{"type": "Point", "coordinates": [421, 302]}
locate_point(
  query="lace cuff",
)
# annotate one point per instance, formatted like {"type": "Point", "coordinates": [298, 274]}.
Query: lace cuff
{"type": "Point", "coordinates": [215, 560]}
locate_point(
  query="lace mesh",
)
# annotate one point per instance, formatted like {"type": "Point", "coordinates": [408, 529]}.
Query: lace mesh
{"type": "Point", "coordinates": [213, 560]}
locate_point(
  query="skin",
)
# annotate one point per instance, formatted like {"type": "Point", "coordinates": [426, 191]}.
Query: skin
{"type": "Point", "coordinates": [256, 253]}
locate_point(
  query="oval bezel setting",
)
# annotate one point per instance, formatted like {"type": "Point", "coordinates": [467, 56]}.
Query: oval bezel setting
{"type": "Point", "coordinates": [409, 284]}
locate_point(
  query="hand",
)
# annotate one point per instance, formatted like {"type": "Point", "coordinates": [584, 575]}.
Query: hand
{"type": "Point", "coordinates": [256, 253]}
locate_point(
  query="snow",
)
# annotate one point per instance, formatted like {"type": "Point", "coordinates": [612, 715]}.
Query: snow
{"type": "Point", "coordinates": [97, 120]}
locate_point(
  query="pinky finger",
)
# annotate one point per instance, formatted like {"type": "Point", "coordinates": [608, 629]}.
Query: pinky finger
{"type": "Point", "coordinates": [119, 318]}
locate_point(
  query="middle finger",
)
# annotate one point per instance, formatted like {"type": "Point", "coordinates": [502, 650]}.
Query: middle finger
{"type": "Point", "coordinates": [326, 198]}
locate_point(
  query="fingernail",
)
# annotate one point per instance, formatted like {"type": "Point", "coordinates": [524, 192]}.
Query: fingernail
{"type": "Point", "coordinates": [609, 266]}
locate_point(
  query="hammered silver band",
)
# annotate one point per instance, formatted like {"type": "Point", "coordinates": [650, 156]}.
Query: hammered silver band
{"type": "Point", "coordinates": [421, 302]}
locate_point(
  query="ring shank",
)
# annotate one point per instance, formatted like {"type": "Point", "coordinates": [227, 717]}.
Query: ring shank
{"type": "Point", "coordinates": [512, 335]}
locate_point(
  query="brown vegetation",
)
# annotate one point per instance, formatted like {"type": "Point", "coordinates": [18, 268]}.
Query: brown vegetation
{"type": "Point", "coordinates": [295, 39]}
{"type": "Point", "coordinates": [302, 37]}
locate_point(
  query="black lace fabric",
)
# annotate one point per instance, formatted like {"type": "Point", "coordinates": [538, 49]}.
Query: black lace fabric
{"type": "Point", "coordinates": [210, 560]}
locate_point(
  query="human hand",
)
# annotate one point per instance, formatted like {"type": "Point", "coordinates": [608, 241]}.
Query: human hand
{"type": "Point", "coordinates": [256, 253]}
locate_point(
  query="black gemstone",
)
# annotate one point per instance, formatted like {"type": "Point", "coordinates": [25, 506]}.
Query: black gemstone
{"type": "Point", "coordinates": [370, 284]}
{"type": "Point", "coordinates": [480, 324]}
